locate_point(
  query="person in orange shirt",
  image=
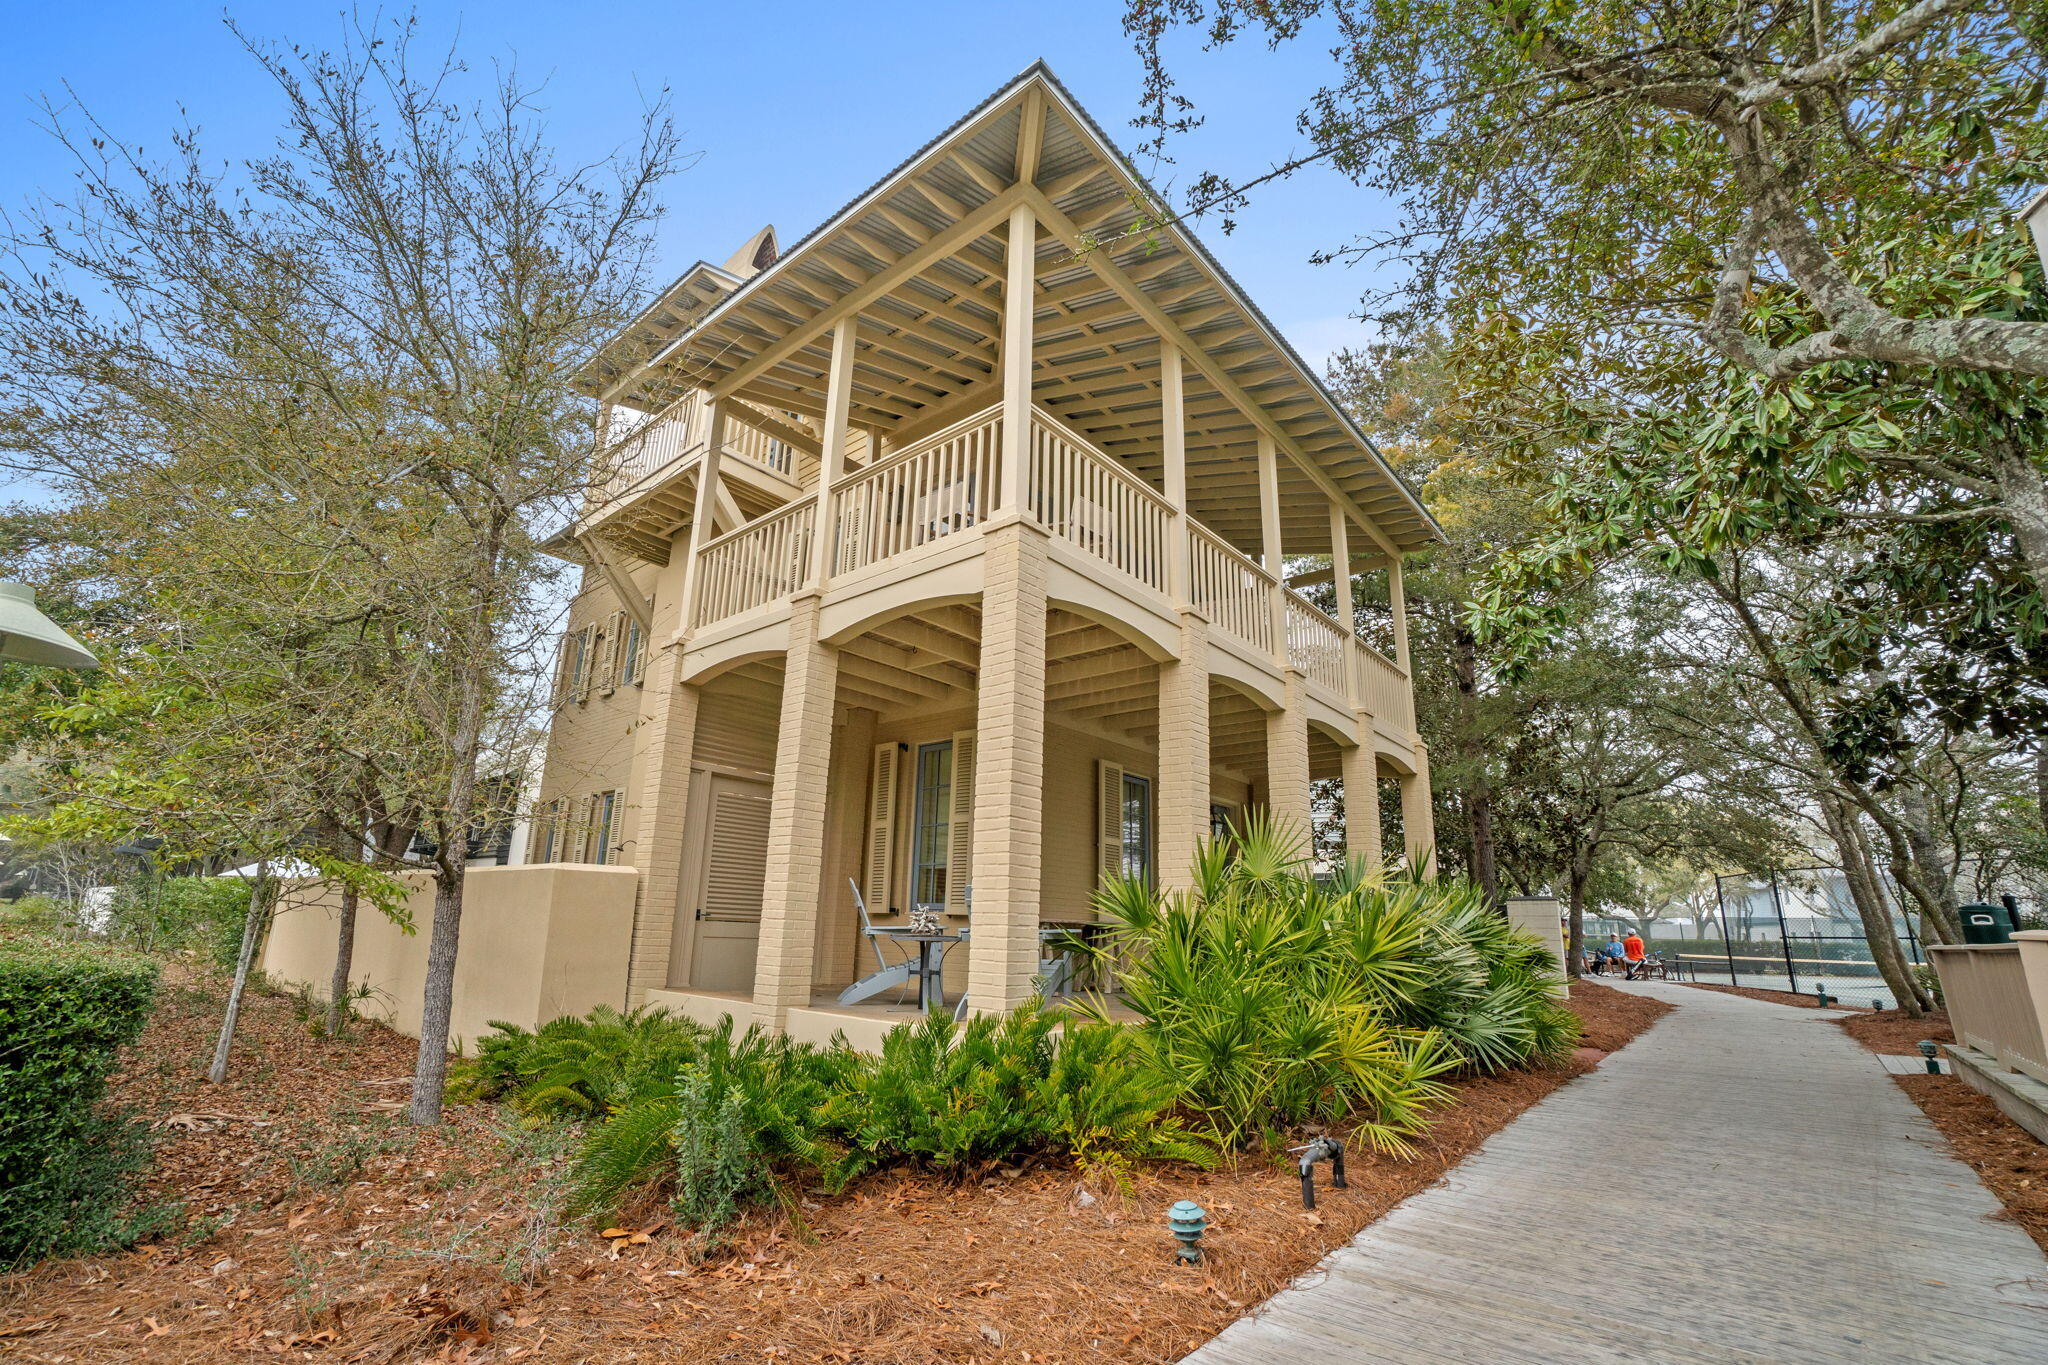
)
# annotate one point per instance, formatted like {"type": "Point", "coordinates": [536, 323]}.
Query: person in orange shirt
{"type": "Point", "coordinates": [1632, 948]}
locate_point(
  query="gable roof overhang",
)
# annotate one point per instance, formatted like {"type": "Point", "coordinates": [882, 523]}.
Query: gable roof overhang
{"type": "Point", "coordinates": [919, 258]}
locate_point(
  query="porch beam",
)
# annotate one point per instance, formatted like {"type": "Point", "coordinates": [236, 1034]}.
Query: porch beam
{"type": "Point", "coordinates": [881, 282]}
{"type": "Point", "coordinates": [1064, 227]}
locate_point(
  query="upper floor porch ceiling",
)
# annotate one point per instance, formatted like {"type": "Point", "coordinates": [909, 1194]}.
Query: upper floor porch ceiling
{"type": "Point", "coordinates": [919, 260]}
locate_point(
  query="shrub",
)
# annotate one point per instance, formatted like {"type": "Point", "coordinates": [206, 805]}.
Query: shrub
{"type": "Point", "coordinates": [716, 1165]}
{"type": "Point", "coordinates": [173, 914]}
{"type": "Point", "coordinates": [1271, 998]}
{"type": "Point", "coordinates": [66, 1010]}
{"type": "Point", "coordinates": [944, 1096]}
{"type": "Point", "coordinates": [1930, 982]}
{"type": "Point", "coordinates": [951, 1096]}
{"type": "Point", "coordinates": [796, 1103]}
{"type": "Point", "coordinates": [579, 1067]}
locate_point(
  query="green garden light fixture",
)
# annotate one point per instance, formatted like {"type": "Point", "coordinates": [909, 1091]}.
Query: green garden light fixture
{"type": "Point", "coordinates": [1187, 1221]}
{"type": "Point", "coordinates": [1928, 1050]}
{"type": "Point", "coordinates": [27, 636]}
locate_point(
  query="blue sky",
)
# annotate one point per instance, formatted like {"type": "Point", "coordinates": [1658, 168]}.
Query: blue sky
{"type": "Point", "coordinates": [795, 107]}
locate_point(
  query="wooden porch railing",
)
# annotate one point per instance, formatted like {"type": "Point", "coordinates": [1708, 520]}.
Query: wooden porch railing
{"type": "Point", "coordinates": [1384, 687]}
{"type": "Point", "coordinates": [1315, 644]}
{"type": "Point", "coordinates": [1087, 499]}
{"type": "Point", "coordinates": [677, 431]}
{"type": "Point", "coordinates": [656, 443]}
{"type": "Point", "coordinates": [935, 488]}
{"type": "Point", "coordinates": [1231, 590]}
{"type": "Point", "coordinates": [759, 563]}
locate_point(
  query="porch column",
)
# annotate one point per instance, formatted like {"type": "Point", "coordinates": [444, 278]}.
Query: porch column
{"type": "Point", "coordinates": [1270, 551]}
{"type": "Point", "coordinates": [700, 518]}
{"type": "Point", "coordinates": [1397, 598]}
{"type": "Point", "coordinates": [1287, 757]}
{"type": "Point", "coordinates": [1173, 423]}
{"type": "Point", "coordinates": [670, 738]}
{"type": "Point", "coordinates": [1009, 769]}
{"type": "Point", "coordinates": [1020, 277]}
{"type": "Point", "coordinates": [796, 821]}
{"type": "Point", "coordinates": [1347, 612]}
{"type": "Point", "coordinates": [1362, 798]}
{"type": "Point", "coordinates": [1418, 814]}
{"type": "Point", "coordinates": [1184, 753]}
{"type": "Point", "coordinates": [832, 455]}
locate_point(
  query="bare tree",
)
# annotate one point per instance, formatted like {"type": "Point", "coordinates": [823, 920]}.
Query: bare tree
{"type": "Point", "coordinates": [373, 327]}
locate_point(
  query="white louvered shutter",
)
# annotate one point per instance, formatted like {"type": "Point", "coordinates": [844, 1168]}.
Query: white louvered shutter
{"type": "Point", "coordinates": [960, 825]}
{"type": "Point", "coordinates": [1109, 820]}
{"type": "Point", "coordinates": [614, 651]}
{"type": "Point", "coordinates": [878, 861]}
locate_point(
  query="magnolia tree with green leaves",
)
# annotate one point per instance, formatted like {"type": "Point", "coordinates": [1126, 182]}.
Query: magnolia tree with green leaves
{"type": "Point", "coordinates": [359, 345]}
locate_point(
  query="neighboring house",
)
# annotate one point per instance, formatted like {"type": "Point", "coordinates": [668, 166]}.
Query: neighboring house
{"type": "Point", "coordinates": [889, 583]}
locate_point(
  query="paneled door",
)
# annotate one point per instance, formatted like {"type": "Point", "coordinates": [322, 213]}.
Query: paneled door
{"type": "Point", "coordinates": [730, 862]}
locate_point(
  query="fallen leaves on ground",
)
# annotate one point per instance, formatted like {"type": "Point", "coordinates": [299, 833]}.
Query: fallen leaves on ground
{"type": "Point", "coordinates": [325, 1229]}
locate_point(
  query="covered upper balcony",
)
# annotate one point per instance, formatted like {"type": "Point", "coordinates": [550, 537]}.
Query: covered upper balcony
{"type": "Point", "coordinates": [850, 415]}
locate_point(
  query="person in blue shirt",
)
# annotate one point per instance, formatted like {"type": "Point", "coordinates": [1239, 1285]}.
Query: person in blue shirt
{"type": "Point", "coordinates": [1614, 952]}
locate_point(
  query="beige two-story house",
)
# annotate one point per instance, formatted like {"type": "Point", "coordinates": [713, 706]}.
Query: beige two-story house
{"type": "Point", "coordinates": [936, 561]}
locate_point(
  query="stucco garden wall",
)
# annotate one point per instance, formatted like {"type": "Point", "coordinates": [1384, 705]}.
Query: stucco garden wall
{"type": "Point", "coordinates": [538, 942]}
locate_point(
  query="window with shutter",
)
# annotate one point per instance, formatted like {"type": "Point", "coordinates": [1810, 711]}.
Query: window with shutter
{"type": "Point", "coordinates": [614, 652]}
{"type": "Point", "coordinates": [587, 672]}
{"type": "Point", "coordinates": [931, 820]}
{"type": "Point", "coordinates": [960, 825]}
{"type": "Point", "coordinates": [1109, 820]}
{"type": "Point", "coordinates": [635, 651]}
{"type": "Point", "coordinates": [603, 834]}
{"type": "Point", "coordinates": [878, 863]}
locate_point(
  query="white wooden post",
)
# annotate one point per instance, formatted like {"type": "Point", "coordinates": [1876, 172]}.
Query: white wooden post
{"type": "Point", "coordinates": [832, 455]}
{"type": "Point", "coordinates": [1269, 550]}
{"type": "Point", "coordinates": [1347, 612]}
{"type": "Point", "coordinates": [1398, 597]}
{"type": "Point", "coordinates": [1018, 281]}
{"type": "Point", "coordinates": [700, 518]}
{"type": "Point", "coordinates": [1174, 424]}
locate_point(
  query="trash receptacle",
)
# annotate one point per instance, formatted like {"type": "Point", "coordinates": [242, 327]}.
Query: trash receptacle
{"type": "Point", "coordinates": [1988, 924]}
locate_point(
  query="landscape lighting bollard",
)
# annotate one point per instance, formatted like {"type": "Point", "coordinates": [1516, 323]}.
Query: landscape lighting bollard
{"type": "Point", "coordinates": [1320, 1149]}
{"type": "Point", "coordinates": [1187, 1221]}
{"type": "Point", "coordinates": [1929, 1051]}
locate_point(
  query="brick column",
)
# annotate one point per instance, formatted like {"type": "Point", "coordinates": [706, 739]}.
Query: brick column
{"type": "Point", "coordinates": [1362, 798]}
{"type": "Point", "coordinates": [669, 736]}
{"type": "Point", "coordinates": [796, 821]}
{"type": "Point", "coordinates": [1184, 753]}
{"type": "Point", "coordinates": [1287, 758]}
{"type": "Point", "coordinates": [1418, 815]}
{"type": "Point", "coordinates": [1009, 769]}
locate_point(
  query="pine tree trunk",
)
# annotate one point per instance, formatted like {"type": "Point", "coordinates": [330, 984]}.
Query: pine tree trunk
{"type": "Point", "coordinates": [252, 931]}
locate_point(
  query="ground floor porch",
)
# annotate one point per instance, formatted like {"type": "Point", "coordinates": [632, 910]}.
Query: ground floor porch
{"type": "Point", "coordinates": [977, 752]}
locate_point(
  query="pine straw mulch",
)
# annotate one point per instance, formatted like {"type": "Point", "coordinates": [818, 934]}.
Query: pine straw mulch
{"type": "Point", "coordinates": [324, 1229]}
{"type": "Point", "coordinates": [2006, 1157]}
{"type": "Point", "coordinates": [1894, 1032]}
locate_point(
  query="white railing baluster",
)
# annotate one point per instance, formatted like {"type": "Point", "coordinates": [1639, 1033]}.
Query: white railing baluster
{"type": "Point", "coordinates": [759, 563]}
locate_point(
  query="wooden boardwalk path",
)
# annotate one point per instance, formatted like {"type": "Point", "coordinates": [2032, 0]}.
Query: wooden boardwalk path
{"type": "Point", "coordinates": [1793, 1206]}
